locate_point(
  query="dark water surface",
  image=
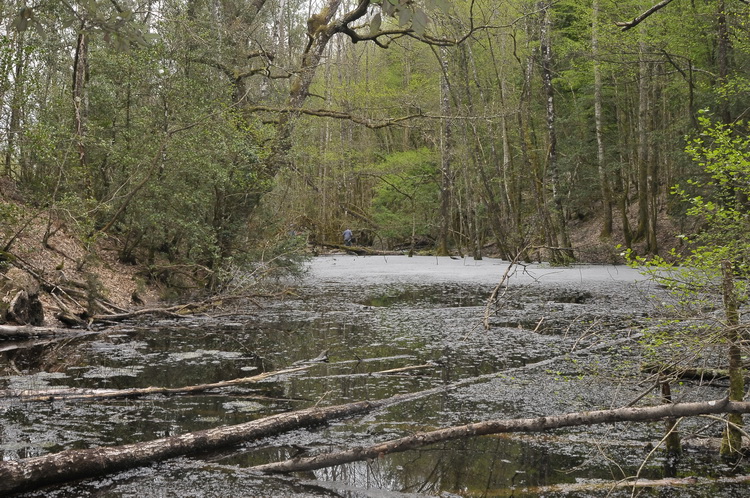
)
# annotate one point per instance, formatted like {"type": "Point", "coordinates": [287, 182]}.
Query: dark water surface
{"type": "Point", "coordinates": [558, 343]}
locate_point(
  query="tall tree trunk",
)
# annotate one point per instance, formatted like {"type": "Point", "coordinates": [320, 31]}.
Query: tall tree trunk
{"type": "Point", "coordinates": [320, 32]}
{"type": "Point", "coordinates": [561, 252]}
{"type": "Point", "coordinates": [531, 162]}
{"type": "Point", "coordinates": [80, 98]}
{"type": "Point", "coordinates": [722, 56]}
{"type": "Point", "coordinates": [731, 444]}
{"type": "Point", "coordinates": [14, 123]}
{"type": "Point", "coordinates": [446, 174]}
{"type": "Point", "coordinates": [642, 156]}
{"type": "Point", "coordinates": [606, 191]}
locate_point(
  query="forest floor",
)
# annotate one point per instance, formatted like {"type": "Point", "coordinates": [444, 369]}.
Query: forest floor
{"type": "Point", "coordinates": [591, 247]}
{"type": "Point", "coordinates": [66, 262]}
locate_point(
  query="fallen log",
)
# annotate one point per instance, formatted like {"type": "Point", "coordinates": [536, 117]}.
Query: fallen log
{"type": "Point", "coordinates": [691, 373]}
{"type": "Point", "coordinates": [99, 394]}
{"type": "Point", "coordinates": [167, 312]}
{"type": "Point", "coordinates": [68, 465]}
{"type": "Point", "coordinates": [359, 250]}
{"type": "Point", "coordinates": [28, 331]}
{"type": "Point", "coordinates": [586, 488]}
{"type": "Point", "coordinates": [177, 311]}
{"type": "Point", "coordinates": [539, 424]}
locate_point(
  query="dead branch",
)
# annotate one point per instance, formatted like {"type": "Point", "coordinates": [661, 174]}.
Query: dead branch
{"type": "Point", "coordinates": [492, 300]}
{"type": "Point", "coordinates": [692, 373]}
{"type": "Point", "coordinates": [584, 488]}
{"type": "Point", "coordinates": [402, 369]}
{"type": "Point", "coordinates": [99, 394]}
{"type": "Point", "coordinates": [374, 124]}
{"type": "Point", "coordinates": [639, 19]}
{"type": "Point", "coordinates": [539, 424]}
{"type": "Point", "coordinates": [9, 332]}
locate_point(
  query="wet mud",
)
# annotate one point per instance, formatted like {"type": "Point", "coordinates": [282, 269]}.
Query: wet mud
{"type": "Point", "coordinates": [560, 340]}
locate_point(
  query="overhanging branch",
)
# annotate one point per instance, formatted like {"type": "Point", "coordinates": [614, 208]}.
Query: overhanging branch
{"type": "Point", "coordinates": [636, 21]}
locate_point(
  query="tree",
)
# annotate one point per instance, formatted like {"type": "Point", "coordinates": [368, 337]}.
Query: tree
{"type": "Point", "coordinates": [406, 197]}
{"type": "Point", "coordinates": [718, 252]}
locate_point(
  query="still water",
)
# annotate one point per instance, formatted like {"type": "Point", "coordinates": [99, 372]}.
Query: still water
{"type": "Point", "coordinates": [561, 340]}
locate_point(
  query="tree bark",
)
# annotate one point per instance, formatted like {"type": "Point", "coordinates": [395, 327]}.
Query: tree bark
{"type": "Point", "coordinates": [80, 99]}
{"type": "Point", "coordinates": [14, 123]}
{"type": "Point", "coordinates": [643, 158]}
{"type": "Point", "coordinates": [674, 446]}
{"type": "Point", "coordinates": [606, 190]}
{"type": "Point", "coordinates": [539, 424]}
{"type": "Point", "coordinates": [446, 175]}
{"type": "Point", "coordinates": [561, 251]}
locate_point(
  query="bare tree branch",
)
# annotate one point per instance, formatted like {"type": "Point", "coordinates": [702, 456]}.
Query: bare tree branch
{"type": "Point", "coordinates": [635, 22]}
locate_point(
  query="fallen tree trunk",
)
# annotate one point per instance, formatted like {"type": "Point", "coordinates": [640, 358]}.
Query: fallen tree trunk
{"type": "Point", "coordinates": [68, 465]}
{"type": "Point", "coordinates": [586, 488]}
{"type": "Point", "coordinates": [178, 311]}
{"type": "Point", "coordinates": [99, 394]}
{"type": "Point", "coordinates": [691, 373]}
{"type": "Point", "coordinates": [539, 424]}
{"type": "Point", "coordinates": [359, 250]}
{"type": "Point", "coordinates": [28, 331]}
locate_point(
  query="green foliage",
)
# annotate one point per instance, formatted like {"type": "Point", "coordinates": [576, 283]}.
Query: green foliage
{"type": "Point", "coordinates": [115, 21]}
{"type": "Point", "coordinates": [718, 201]}
{"type": "Point", "coordinates": [406, 200]}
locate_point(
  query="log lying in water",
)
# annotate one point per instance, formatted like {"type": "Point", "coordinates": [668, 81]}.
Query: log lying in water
{"type": "Point", "coordinates": [690, 373]}
{"type": "Point", "coordinates": [539, 424]}
{"type": "Point", "coordinates": [98, 394]}
{"type": "Point", "coordinates": [32, 473]}
{"type": "Point", "coordinates": [27, 331]}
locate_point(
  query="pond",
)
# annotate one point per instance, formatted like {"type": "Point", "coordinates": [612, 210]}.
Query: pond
{"type": "Point", "coordinates": [560, 340]}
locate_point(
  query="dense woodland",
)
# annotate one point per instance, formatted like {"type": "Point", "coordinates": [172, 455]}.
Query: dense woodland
{"type": "Point", "coordinates": [199, 137]}
{"type": "Point", "coordinates": [213, 133]}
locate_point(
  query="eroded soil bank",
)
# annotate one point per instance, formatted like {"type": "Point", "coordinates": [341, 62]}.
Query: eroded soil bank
{"type": "Point", "coordinates": [561, 340]}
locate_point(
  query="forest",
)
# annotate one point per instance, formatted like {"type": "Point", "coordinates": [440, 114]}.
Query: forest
{"type": "Point", "coordinates": [206, 134]}
{"type": "Point", "coordinates": [190, 148]}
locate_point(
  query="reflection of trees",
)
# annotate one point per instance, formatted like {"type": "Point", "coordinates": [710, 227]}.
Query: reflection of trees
{"type": "Point", "coordinates": [474, 467]}
{"type": "Point", "coordinates": [35, 356]}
